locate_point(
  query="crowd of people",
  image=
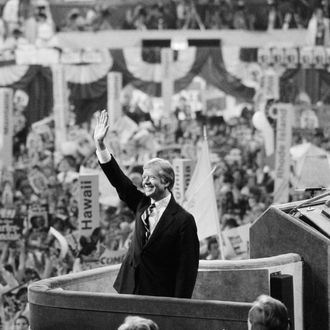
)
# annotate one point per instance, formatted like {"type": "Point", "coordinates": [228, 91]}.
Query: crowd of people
{"type": "Point", "coordinates": [37, 22]}
{"type": "Point", "coordinates": [201, 15]}
{"type": "Point", "coordinates": [24, 24]}
{"type": "Point", "coordinates": [39, 194]}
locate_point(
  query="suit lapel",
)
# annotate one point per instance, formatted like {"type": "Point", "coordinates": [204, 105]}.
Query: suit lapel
{"type": "Point", "coordinates": [139, 227]}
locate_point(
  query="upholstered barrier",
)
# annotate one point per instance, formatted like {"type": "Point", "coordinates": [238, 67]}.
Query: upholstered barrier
{"type": "Point", "coordinates": [222, 297]}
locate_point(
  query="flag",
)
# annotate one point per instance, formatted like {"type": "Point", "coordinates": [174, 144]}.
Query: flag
{"type": "Point", "coordinates": [200, 198]}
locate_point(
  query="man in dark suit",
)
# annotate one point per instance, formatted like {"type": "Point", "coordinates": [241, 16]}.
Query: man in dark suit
{"type": "Point", "coordinates": [163, 257]}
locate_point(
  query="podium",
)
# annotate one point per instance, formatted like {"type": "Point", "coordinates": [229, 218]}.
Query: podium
{"type": "Point", "coordinates": [306, 231]}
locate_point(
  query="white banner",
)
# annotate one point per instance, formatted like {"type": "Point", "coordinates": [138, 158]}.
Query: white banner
{"type": "Point", "coordinates": [167, 81]}
{"type": "Point", "coordinates": [282, 152]}
{"type": "Point", "coordinates": [89, 213]}
{"type": "Point", "coordinates": [200, 198]}
{"type": "Point", "coordinates": [115, 85]}
{"type": "Point", "coordinates": [183, 169]}
{"type": "Point", "coordinates": [6, 127]}
{"type": "Point", "coordinates": [270, 84]}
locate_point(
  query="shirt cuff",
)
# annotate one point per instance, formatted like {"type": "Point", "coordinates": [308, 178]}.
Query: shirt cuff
{"type": "Point", "coordinates": [103, 156]}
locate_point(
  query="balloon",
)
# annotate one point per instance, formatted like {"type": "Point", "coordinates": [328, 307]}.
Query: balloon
{"type": "Point", "coordinates": [259, 120]}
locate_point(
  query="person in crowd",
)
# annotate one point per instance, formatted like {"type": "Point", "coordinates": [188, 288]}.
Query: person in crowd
{"type": "Point", "coordinates": [268, 313]}
{"type": "Point", "coordinates": [21, 323]}
{"type": "Point", "coordinates": [138, 323]}
{"type": "Point", "coordinates": [10, 14]}
{"type": "Point", "coordinates": [103, 19]}
{"type": "Point", "coordinates": [213, 252]}
{"type": "Point", "coordinates": [163, 257]}
{"type": "Point", "coordinates": [23, 308]}
{"type": "Point", "coordinates": [318, 30]}
{"type": "Point", "coordinates": [241, 20]}
{"type": "Point", "coordinates": [7, 279]}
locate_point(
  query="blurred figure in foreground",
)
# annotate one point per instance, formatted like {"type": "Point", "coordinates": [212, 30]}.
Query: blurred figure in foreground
{"type": "Point", "coordinates": [268, 313]}
{"type": "Point", "coordinates": [138, 323]}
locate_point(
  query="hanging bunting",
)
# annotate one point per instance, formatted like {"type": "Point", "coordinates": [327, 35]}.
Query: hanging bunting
{"type": "Point", "coordinates": [11, 74]}
{"type": "Point", "coordinates": [153, 72]}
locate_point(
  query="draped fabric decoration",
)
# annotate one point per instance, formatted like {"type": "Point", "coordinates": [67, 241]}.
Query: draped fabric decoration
{"type": "Point", "coordinates": [11, 74]}
{"type": "Point", "coordinates": [87, 83]}
{"type": "Point", "coordinates": [215, 73]}
{"type": "Point", "coordinates": [147, 76]}
{"type": "Point", "coordinates": [36, 81]}
{"type": "Point", "coordinates": [153, 72]}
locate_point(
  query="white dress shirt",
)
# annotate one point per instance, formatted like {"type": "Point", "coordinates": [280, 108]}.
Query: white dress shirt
{"type": "Point", "coordinates": [160, 207]}
{"type": "Point", "coordinates": [103, 156]}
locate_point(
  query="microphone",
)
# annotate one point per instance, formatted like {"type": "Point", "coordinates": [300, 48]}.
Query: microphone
{"type": "Point", "coordinates": [310, 200]}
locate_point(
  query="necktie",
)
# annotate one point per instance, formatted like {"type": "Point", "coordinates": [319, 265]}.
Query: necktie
{"type": "Point", "coordinates": [145, 219]}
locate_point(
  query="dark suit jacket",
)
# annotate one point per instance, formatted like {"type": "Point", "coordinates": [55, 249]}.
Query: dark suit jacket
{"type": "Point", "coordinates": [167, 264]}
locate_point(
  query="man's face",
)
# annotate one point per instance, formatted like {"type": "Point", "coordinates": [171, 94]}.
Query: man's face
{"type": "Point", "coordinates": [153, 186]}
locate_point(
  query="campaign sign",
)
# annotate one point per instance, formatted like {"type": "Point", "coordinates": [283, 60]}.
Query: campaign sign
{"type": "Point", "coordinates": [6, 126]}
{"type": "Point", "coordinates": [115, 86]}
{"type": "Point", "coordinates": [282, 153]}
{"type": "Point", "coordinates": [89, 213]}
{"type": "Point", "coordinates": [236, 242]}
{"type": "Point", "coordinates": [11, 226]}
{"type": "Point", "coordinates": [38, 215]}
{"type": "Point", "coordinates": [183, 169]}
{"type": "Point", "coordinates": [112, 257]}
{"type": "Point", "coordinates": [291, 57]}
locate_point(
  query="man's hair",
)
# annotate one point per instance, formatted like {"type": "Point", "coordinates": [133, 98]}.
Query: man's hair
{"type": "Point", "coordinates": [164, 170]}
{"type": "Point", "coordinates": [138, 323]}
{"type": "Point", "coordinates": [268, 313]}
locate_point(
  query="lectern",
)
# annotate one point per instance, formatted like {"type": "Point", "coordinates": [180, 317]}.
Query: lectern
{"type": "Point", "coordinates": [302, 228]}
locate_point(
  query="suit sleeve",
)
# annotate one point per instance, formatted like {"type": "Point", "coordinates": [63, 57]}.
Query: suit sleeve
{"type": "Point", "coordinates": [126, 190]}
{"type": "Point", "coordinates": [188, 259]}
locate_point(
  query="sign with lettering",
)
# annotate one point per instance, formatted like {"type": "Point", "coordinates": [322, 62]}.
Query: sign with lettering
{"type": "Point", "coordinates": [11, 225]}
{"type": "Point", "coordinates": [115, 85]}
{"type": "Point", "coordinates": [89, 216]}
{"type": "Point", "coordinates": [291, 57]}
{"type": "Point", "coordinates": [38, 215]}
{"type": "Point", "coordinates": [236, 242]}
{"type": "Point", "coordinates": [167, 81]}
{"type": "Point", "coordinates": [112, 257]}
{"type": "Point", "coordinates": [264, 56]}
{"type": "Point", "coordinates": [282, 152]}
{"type": "Point", "coordinates": [6, 126]}
{"type": "Point", "coordinates": [183, 169]}
{"type": "Point", "coordinates": [60, 95]}
{"type": "Point", "coordinates": [270, 84]}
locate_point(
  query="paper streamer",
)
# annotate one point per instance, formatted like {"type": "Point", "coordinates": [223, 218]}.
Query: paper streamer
{"type": "Point", "coordinates": [62, 240]}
